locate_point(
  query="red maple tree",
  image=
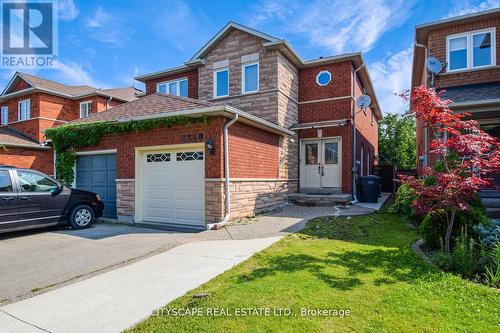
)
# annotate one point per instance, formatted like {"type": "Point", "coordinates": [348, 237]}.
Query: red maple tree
{"type": "Point", "coordinates": [466, 158]}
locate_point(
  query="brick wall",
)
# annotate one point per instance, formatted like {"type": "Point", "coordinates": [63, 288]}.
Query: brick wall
{"type": "Point", "coordinates": [437, 48]}
{"type": "Point", "coordinates": [191, 75]}
{"type": "Point", "coordinates": [41, 160]}
{"type": "Point", "coordinates": [253, 153]}
{"type": "Point", "coordinates": [30, 128]}
{"type": "Point", "coordinates": [340, 85]}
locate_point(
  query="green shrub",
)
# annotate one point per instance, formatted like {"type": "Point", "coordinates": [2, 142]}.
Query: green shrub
{"type": "Point", "coordinates": [433, 228]}
{"type": "Point", "coordinates": [464, 255]}
{"type": "Point", "coordinates": [489, 235]}
{"type": "Point", "coordinates": [492, 268]}
{"type": "Point", "coordinates": [404, 198]}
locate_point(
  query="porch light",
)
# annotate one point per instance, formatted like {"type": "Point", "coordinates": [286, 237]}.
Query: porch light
{"type": "Point", "coordinates": [210, 146]}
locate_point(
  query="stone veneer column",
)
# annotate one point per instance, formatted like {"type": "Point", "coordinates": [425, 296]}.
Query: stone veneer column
{"type": "Point", "coordinates": [125, 200]}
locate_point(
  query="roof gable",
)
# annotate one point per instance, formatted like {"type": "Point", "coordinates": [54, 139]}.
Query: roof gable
{"type": "Point", "coordinates": [17, 83]}
{"type": "Point", "coordinates": [223, 33]}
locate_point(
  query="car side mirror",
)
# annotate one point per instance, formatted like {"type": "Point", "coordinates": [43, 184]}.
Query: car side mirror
{"type": "Point", "coordinates": [57, 190]}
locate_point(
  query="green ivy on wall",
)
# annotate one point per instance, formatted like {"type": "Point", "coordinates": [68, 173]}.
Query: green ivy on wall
{"type": "Point", "coordinates": [67, 138]}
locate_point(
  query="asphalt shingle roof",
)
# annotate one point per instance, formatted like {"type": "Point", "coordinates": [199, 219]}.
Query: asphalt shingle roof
{"type": "Point", "coordinates": [471, 93]}
{"type": "Point", "coordinates": [149, 105]}
{"type": "Point", "coordinates": [125, 94]}
{"type": "Point", "coordinates": [9, 136]}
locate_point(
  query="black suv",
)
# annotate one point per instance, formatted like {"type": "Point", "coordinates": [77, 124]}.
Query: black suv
{"type": "Point", "coordinates": [30, 199]}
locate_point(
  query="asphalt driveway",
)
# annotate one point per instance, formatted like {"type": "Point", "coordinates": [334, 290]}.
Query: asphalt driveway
{"type": "Point", "coordinates": [34, 262]}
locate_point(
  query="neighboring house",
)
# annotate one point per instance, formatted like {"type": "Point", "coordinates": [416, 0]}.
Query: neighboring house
{"type": "Point", "coordinates": [469, 48]}
{"type": "Point", "coordinates": [292, 131]}
{"type": "Point", "coordinates": [30, 104]}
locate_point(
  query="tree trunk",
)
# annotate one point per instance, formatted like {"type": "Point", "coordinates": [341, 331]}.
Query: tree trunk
{"type": "Point", "coordinates": [449, 229]}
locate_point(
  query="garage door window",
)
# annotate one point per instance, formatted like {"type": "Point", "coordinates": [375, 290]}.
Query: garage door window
{"type": "Point", "coordinates": [153, 158]}
{"type": "Point", "coordinates": [190, 156]}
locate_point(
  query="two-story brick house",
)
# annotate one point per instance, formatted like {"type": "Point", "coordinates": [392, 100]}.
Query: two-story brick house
{"type": "Point", "coordinates": [278, 125]}
{"type": "Point", "coordinates": [468, 48]}
{"type": "Point", "coordinates": [30, 104]}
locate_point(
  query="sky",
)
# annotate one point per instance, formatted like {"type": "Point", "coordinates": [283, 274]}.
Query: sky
{"type": "Point", "coordinates": [106, 43]}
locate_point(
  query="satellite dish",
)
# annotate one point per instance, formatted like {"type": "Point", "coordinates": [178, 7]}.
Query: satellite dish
{"type": "Point", "coordinates": [363, 101]}
{"type": "Point", "coordinates": [433, 65]}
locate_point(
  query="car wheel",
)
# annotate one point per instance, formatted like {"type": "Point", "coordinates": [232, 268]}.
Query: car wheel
{"type": "Point", "coordinates": [81, 217]}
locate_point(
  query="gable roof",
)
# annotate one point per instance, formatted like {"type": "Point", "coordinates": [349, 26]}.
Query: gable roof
{"type": "Point", "coordinates": [9, 137]}
{"type": "Point", "coordinates": [223, 33]}
{"type": "Point", "coordinates": [272, 42]}
{"type": "Point", "coordinates": [37, 83]}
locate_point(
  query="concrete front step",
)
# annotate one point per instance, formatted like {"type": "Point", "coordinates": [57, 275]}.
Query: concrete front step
{"type": "Point", "coordinates": [305, 199]}
{"type": "Point", "coordinates": [489, 194]}
{"type": "Point", "coordinates": [493, 212]}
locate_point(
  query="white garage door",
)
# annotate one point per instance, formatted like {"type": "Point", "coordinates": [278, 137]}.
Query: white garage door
{"type": "Point", "coordinates": [173, 187]}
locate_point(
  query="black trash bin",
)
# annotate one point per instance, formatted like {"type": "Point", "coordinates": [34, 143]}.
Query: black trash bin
{"type": "Point", "coordinates": [369, 188]}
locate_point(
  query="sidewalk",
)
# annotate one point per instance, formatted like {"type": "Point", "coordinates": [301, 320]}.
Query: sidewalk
{"type": "Point", "coordinates": [116, 300]}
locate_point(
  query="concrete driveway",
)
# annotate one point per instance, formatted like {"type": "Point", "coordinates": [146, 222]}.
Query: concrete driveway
{"type": "Point", "coordinates": [35, 262]}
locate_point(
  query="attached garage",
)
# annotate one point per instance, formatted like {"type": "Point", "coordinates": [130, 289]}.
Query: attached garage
{"type": "Point", "coordinates": [96, 172]}
{"type": "Point", "coordinates": [171, 186]}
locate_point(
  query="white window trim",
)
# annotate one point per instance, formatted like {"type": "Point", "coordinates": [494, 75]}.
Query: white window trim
{"type": "Point", "coordinates": [177, 83]}
{"type": "Point", "coordinates": [6, 122]}
{"type": "Point", "coordinates": [317, 78]}
{"type": "Point", "coordinates": [470, 61]}
{"type": "Point", "coordinates": [28, 115]}
{"type": "Point", "coordinates": [86, 108]}
{"type": "Point", "coordinates": [215, 82]}
{"type": "Point", "coordinates": [243, 67]}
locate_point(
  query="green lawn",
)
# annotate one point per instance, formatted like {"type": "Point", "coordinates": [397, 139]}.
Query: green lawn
{"type": "Point", "coordinates": [363, 264]}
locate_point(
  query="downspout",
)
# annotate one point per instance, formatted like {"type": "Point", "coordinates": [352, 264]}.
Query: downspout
{"type": "Point", "coordinates": [424, 128]}
{"type": "Point", "coordinates": [354, 82]}
{"type": "Point", "coordinates": [215, 226]}
{"type": "Point", "coordinates": [109, 101]}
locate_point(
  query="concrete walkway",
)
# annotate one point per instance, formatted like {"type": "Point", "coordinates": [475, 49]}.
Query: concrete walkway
{"type": "Point", "coordinates": [118, 299]}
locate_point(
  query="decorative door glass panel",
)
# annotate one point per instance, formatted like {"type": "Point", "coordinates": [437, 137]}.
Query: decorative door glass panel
{"type": "Point", "coordinates": [331, 153]}
{"type": "Point", "coordinates": [311, 153]}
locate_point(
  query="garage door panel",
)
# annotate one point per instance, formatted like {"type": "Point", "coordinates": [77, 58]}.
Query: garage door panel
{"type": "Point", "coordinates": [174, 188]}
{"type": "Point", "coordinates": [97, 173]}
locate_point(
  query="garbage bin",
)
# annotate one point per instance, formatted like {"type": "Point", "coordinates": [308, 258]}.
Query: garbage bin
{"type": "Point", "coordinates": [369, 188]}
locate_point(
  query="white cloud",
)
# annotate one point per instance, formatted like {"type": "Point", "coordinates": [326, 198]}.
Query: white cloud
{"type": "Point", "coordinates": [392, 76]}
{"type": "Point", "coordinates": [471, 6]}
{"type": "Point", "coordinates": [108, 29]}
{"type": "Point", "coordinates": [340, 26]}
{"type": "Point", "coordinates": [99, 19]}
{"type": "Point", "coordinates": [67, 10]}
{"type": "Point", "coordinates": [75, 74]}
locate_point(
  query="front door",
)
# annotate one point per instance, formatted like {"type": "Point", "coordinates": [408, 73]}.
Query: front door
{"type": "Point", "coordinates": [320, 163]}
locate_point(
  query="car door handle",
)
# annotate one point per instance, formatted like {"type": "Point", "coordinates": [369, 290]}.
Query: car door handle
{"type": "Point", "coordinates": [8, 198]}
{"type": "Point", "coordinates": [26, 198]}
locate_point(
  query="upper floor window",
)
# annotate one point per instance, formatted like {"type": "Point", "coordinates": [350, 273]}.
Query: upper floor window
{"type": "Point", "coordinates": [221, 83]}
{"type": "Point", "coordinates": [85, 109]}
{"type": "Point", "coordinates": [470, 50]}
{"type": "Point", "coordinates": [23, 109]}
{"type": "Point", "coordinates": [323, 78]}
{"type": "Point", "coordinates": [5, 115]}
{"type": "Point", "coordinates": [250, 78]}
{"type": "Point", "coordinates": [177, 87]}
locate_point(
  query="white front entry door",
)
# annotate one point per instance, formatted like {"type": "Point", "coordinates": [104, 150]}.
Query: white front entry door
{"type": "Point", "coordinates": [320, 165]}
{"type": "Point", "coordinates": [173, 187]}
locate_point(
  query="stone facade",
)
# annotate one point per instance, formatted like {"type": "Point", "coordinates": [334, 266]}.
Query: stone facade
{"type": "Point", "coordinates": [248, 197]}
{"type": "Point", "coordinates": [125, 199]}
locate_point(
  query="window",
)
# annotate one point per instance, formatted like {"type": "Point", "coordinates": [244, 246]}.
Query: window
{"type": "Point", "coordinates": [35, 182]}
{"type": "Point", "coordinates": [323, 78]}
{"type": "Point", "coordinates": [190, 156]}
{"type": "Point", "coordinates": [23, 109]}
{"type": "Point", "coordinates": [311, 152]}
{"type": "Point", "coordinates": [153, 158]}
{"type": "Point", "coordinates": [177, 87]}
{"type": "Point", "coordinates": [5, 115]}
{"type": "Point", "coordinates": [221, 83]}
{"type": "Point", "coordinates": [331, 153]}
{"type": "Point", "coordinates": [474, 49]}
{"type": "Point", "coordinates": [5, 183]}
{"type": "Point", "coordinates": [250, 78]}
{"type": "Point", "coordinates": [85, 109]}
